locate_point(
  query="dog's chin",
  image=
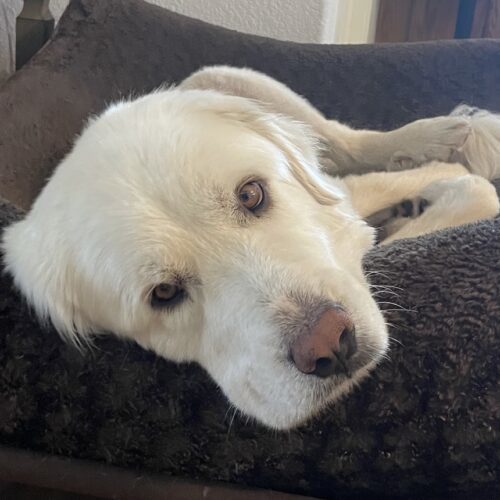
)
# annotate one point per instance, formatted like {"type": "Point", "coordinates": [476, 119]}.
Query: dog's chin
{"type": "Point", "coordinates": [313, 396]}
{"type": "Point", "coordinates": [331, 394]}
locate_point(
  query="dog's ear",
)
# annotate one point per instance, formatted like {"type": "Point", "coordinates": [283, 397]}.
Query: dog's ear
{"type": "Point", "coordinates": [296, 141]}
{"type": "Point", "coordinates": [36, 256]}
{"type": "Point", "coordinates": [301, 150]}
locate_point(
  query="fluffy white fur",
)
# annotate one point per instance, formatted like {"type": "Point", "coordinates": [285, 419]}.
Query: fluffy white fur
{"type": "Point", "coordinates": [148, 196]}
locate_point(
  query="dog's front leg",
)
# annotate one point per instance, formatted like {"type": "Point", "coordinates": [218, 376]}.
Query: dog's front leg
{"type": "Point", "coordinates": [346, 151]}
{"type": "Point", "coordinates": [351, 151]}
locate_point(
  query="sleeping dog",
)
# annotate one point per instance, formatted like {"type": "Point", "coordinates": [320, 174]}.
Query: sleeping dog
{"type": "Point", "coordinates": [224, 222]}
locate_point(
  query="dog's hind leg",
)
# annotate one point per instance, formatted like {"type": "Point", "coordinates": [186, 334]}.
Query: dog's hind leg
{"type": "Point", "coordinates": [481, 150]}
{"type": "Point", "coordinates": [377, 191]}
{"type": "Point", "coordinates": [443, 204]}
{"type": "Point", "coordinates": [416, 202]}
{"type": "Point", "coordinates": [346, 151]}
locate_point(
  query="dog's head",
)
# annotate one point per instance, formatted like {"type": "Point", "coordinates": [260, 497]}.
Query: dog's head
{"type": "Point", "coordinates": [200, 226]}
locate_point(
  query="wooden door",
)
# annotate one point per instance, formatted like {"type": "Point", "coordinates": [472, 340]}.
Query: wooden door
{"type": "Point", "coordinates": [419, 20]}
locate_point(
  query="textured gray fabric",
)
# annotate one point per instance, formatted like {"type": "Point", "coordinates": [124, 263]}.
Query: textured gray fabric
{"type": "Point", "coordinates": [427, 422]}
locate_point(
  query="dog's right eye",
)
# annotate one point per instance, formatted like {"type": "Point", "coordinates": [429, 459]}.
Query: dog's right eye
{"type": "Point", "coordinates": [167, 295]}
{"type": "Point", "coordinates": [251, 195]}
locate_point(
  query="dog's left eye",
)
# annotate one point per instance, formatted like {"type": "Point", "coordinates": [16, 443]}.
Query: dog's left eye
{"type": "Point", "coordinates": [167, 295]}
{"type": "Point", "coordinates": [251, 195]}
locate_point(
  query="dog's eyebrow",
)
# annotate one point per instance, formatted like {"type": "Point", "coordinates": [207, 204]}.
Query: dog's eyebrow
{"type": "Point", "coordinates": [173, 275]}
{"type": "Point", "coordinates": [183, 277]}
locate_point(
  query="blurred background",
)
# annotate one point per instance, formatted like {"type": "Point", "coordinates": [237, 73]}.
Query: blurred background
{"type": "Point", "coordinates": [26, 25]}
{"type": "Point", "coordinates": [344, 21]}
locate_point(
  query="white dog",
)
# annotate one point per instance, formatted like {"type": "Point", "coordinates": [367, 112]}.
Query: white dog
{"type": "Point", "coordinates": [200, 222]}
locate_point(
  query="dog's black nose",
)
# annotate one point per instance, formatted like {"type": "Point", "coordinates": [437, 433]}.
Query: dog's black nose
{"type": "Point", "coordinates": [325, 350]}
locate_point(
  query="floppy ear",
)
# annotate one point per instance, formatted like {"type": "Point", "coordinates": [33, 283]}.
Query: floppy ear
{"type": "Point", "coordinates": [301, 150]}
{"type": "Point", "coordinates": [296, 140]}
{"type": "Point", "coordinates": [36, 257]}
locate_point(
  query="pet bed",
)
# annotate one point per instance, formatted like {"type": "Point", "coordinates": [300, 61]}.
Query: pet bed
{"type": "Point", "coordinates": [426, 422]}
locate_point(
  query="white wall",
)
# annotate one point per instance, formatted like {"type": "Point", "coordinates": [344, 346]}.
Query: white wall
{"type": "Point", "coordinates": [316, 21]}
{"type": "Point", "coordinates": [355, 21]}
{"type": "Point", "coordinates": [9, 10]}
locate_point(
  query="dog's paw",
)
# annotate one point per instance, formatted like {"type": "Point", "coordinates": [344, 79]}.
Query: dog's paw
{"type": "Point", "coordinates": [393, 218]}
{"type": "Point", "coordinates": [429, 139]}
{"type": "Point", "coordinates": [466, 110]}
{"type": "Point", "coordinates": [410, 208]}
{"type": "Point", "coordinates": [446, 134]}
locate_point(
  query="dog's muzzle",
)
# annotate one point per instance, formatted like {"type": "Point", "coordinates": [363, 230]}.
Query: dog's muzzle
{"type": "Point", "coordinates": [325, 348]}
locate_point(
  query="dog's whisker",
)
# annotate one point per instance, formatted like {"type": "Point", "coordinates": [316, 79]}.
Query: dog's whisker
{"type": "Point", "coordinates": [395, 340]}
{"type": "Point", "coordinates": [235, 411]}
{"type": "Point", "coordinates": [385, 287]}
{"type": "Point", "coordinates": [229, 408]}
{"type": "Point", "coordinates": [389, 324]}
{"type": "Point", "coordinates": [397, 307]}
{"type": "Point", "coordinates": [385, 356]}
{"type": "Point", "coordinates": [381, 293]}
{"type": "Point", "coordinates": [386, 274]}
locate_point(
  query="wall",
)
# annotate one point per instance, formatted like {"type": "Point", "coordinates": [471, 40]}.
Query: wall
{"type": "Point", "coordinates": [9, 10]}
{"type": "Point", "coordinates": [316, 21]}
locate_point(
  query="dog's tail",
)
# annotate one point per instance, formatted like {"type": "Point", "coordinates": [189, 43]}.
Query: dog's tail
{"type": "Point", "coordinates": [481, 151]}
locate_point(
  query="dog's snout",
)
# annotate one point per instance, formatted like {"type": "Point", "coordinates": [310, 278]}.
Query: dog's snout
{"type": "Point", "coordinates": [325, 349]}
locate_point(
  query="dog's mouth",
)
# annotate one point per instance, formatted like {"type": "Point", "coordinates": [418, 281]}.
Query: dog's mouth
{"type": "Point", "coordinates": [327, 390]}
{"type": "Point", "coordinates": [309, 395]}
{"type": "Point", "coordinates": [313, 351]}
{"type": "Point", "coordinates": [361, 360]}
{"type": "Point", "coordinates": [284, 397]}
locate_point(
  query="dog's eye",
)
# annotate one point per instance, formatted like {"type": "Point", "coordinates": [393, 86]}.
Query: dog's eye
{"type": "Point", "coordinates": [167, 295]}
{"type": "Point", "coordinates": [251, 195]}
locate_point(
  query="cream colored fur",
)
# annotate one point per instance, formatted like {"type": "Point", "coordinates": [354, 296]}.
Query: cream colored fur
{"type": "Point", "coordinates": [148, 195]}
